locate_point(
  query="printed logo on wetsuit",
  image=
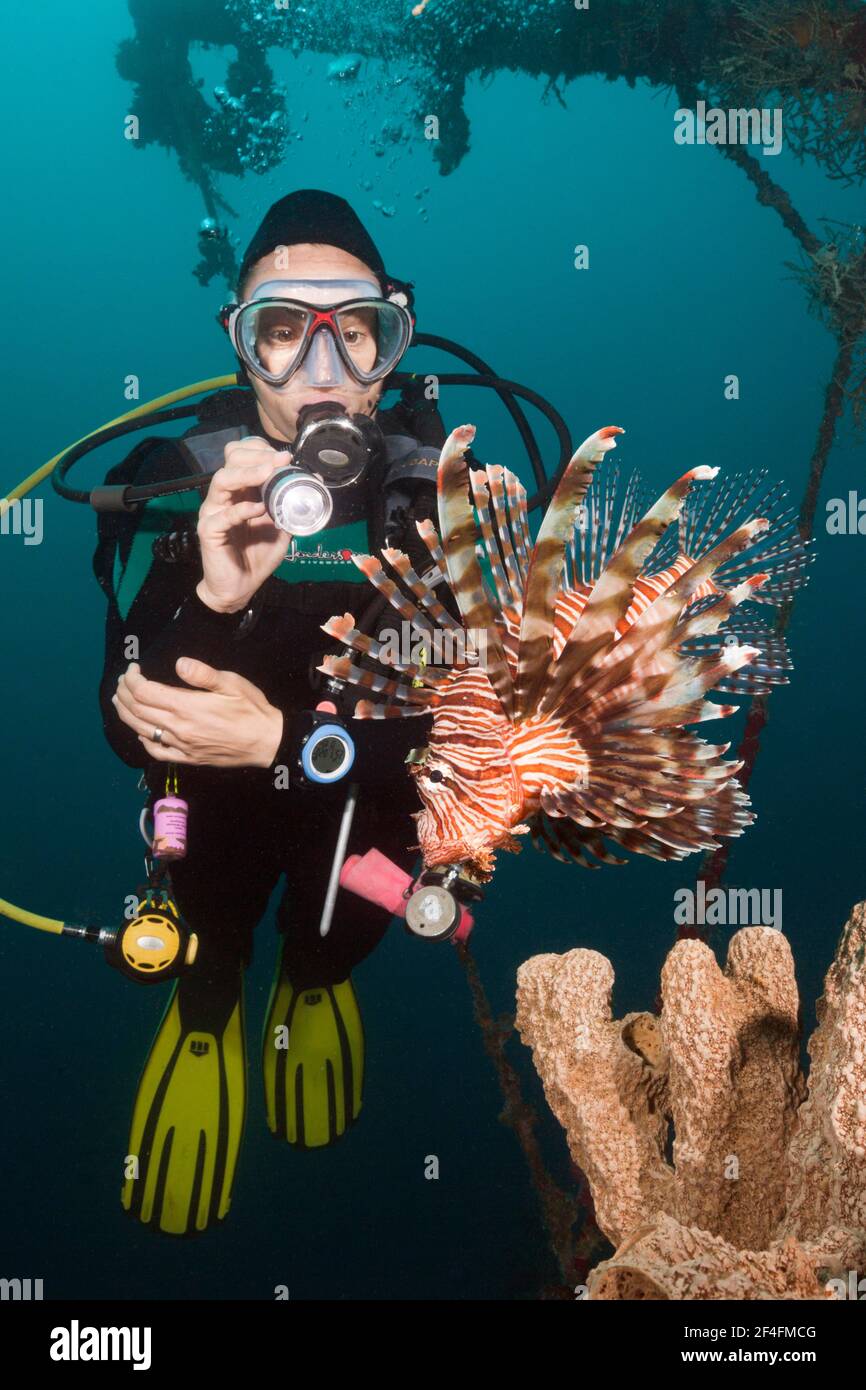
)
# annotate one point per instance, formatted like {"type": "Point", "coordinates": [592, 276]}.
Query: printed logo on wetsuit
{"type": "Point", "coordinates": [324, 557]}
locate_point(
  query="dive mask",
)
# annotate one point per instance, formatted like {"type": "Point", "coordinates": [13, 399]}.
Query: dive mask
{"type": "Point", "coordinates": [330, 330]}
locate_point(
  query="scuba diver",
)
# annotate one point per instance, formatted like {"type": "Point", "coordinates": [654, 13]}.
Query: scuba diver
{"type": "Point", "coordinates": [212, 641]}
{"type": "Point", "coordinates": [221, 554]}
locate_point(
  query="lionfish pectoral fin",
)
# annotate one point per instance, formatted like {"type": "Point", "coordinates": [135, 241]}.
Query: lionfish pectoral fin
{"type": "Point", "coordinates": [784, 554]}
{"type": "Point", "coordinates": [611, 596]}
{"type": "Point", "coordinates": [768, 668]}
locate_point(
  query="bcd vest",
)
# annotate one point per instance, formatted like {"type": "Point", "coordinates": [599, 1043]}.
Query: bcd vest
{"type": "Point", "coordinates": [378, 520]}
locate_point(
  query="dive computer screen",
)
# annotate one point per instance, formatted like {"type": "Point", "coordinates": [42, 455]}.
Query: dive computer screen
{"type": "Point", "coordinates": [328, 754]}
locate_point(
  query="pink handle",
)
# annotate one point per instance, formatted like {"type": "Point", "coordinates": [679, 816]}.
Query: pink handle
{"type": "Point", "coordinates": [372, 876]}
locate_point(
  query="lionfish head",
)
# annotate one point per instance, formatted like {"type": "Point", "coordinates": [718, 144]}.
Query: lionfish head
{"type": "Point", "coordinates": [467, 783]}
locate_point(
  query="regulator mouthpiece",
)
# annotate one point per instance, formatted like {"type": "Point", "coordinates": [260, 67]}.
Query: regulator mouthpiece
{"type": "Point", "coordinates": [331, 450]}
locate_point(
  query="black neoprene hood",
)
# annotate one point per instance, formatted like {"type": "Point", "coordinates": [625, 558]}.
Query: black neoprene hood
{"type": "Point", "coordinates": [312, 215]}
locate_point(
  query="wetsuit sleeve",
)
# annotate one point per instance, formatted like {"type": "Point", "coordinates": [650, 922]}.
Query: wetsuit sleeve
{"type": "Point", "coordinates": [166, 621]}
{"type": "Point", "coordinates": [131, 637]}
{"type": "Point", "coordinates": [153, 615]}
{"type": "Point", "coordinates": [142, 593]}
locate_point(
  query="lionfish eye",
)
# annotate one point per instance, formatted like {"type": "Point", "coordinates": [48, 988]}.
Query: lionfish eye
{"type": "Point", "coordinates": [436, 775]}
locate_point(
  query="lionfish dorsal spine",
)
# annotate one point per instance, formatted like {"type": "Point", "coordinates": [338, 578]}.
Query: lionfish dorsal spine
{"type": "Point", "coordinates": [546, 565]}
{"type": "Point", "coordinates": [459, 536]}
{"type": "Point", "coordinates": [502, 578]}
{"type": "Point", "coordinates": [508, 522]}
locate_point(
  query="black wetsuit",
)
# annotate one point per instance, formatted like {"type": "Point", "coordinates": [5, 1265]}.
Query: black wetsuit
{"type": "Point", "coordinates": [244, 831]}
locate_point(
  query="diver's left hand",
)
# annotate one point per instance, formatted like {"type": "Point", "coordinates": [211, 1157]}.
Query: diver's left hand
{"type": "Point", "coordinates": [224, 721]}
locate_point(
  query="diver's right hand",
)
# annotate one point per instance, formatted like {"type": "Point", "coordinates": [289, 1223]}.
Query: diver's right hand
{"type": "Point", "coordinates": [240, 545]}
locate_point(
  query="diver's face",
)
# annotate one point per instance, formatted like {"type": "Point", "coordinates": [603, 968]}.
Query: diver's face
{"type": "Point", "coordinates": [279, 405]}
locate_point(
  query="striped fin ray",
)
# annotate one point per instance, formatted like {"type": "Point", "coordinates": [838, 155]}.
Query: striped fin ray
{"type": "Point", "coordinates": [683, 693]}
{"type": "Point", "coordinates": [372, 568]}
{"type": "Point", "coordinates": [684, 752]}
{"type": "Point", "coordinates": [562, 840]}
{"type": "Point", "coordinates": [344, 630]}
{"type": "Point", "coordinates": [625, 801]}
{"type": "Point", "coordinates": [666, 676]}
{"type": "Point", "coordinates": [569, 844]}
{"type": "Point", "coordinates": [643, 707]}
{"type": "Point", "coordinates": [459, 533]}
{"type": "Point", "coordinates": [570, 802]}
{"type": "Point", "coordinates": [652, 781]}
{"type": "Point", "coordinates": [366, 709]}
{"type": "Point", "coordinates": [430, 536]}
{"type": "Point", "coordinates": [422, 589]}
{"type": "Point", "coordinates": [342, 668]}
{"type": "Point", "coordinates": [546, 568]}
{"type": "Point", "coordinates": [505, 591]}
{"type": "Point", "coordinates": [612, 507]}
{"type": "Point", "coordinates": [652, 630]}
{"type": "Point", "coordinates": [786, 564]}
{"type": "Point", "coordinates": [631, 666]}
{"type": "Point", "coordinates": [505, 525]}
{"type": "Point", "coordinates": [769, 668]}
{"type": "Point", "coordinates": [782, 552]}
{"type": "Point", "coordinates": [694, 828]}
{"type": "Point", "coordinates": [611, 596]}
{"type": "Point", "coordinates": [519, 514]}
{"type": "Point", "coordinates": [706, 618]}
{"type": "Point", "coordinates": [702, 525]}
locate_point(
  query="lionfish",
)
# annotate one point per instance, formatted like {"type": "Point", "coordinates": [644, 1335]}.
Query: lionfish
{"type": "Point", "coordinates": [601, 642]}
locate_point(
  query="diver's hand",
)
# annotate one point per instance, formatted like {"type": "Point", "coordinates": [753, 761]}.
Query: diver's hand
{"type": "Point", "coordinates": [240, 545]}
{"type": "Point", "coordinates": [224, 721]}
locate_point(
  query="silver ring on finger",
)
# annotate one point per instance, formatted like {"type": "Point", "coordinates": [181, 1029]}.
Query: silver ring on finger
{"type": "Point", "coordinates": [158, 736]}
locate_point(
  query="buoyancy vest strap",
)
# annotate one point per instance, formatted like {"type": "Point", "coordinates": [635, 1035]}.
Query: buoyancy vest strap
{"type": "Point", "coordinates": [206, 450]}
